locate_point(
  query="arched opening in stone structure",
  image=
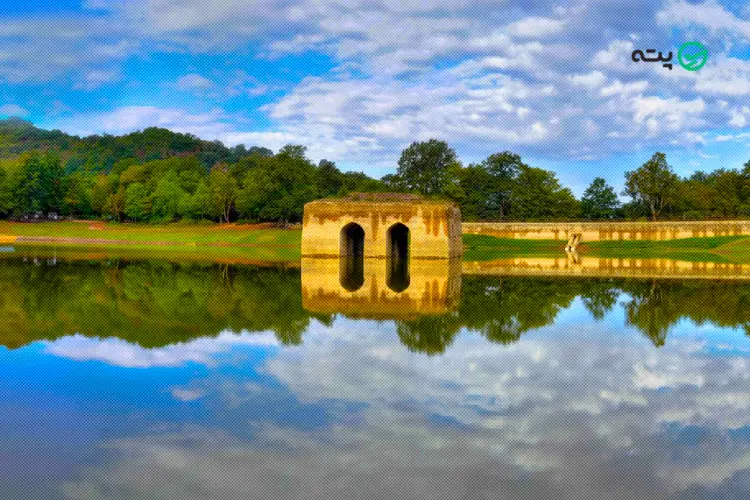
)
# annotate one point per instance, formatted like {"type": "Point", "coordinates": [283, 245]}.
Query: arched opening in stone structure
{"type": "Point", "coordinates": [352, 241]}
{"type": "Point", "coordinates": [352, 257]}
{"type": "Point", "coordinates": [397, 253]}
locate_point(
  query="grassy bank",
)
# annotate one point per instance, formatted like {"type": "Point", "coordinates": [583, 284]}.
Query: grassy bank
{"type": "Point", "coordinates": [214, 241]}
{"type": "Point", "coordinates": [711, 249]}
{"type": "Point", "coordinates": [250, 243]}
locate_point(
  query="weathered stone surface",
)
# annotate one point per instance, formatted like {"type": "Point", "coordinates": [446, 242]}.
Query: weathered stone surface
{"type": "Point", "coordinates": [434, 226]}
{"type": "Point", "coordinates": [596, 231]}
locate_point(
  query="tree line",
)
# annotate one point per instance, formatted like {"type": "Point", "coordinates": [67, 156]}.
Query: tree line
{"type": "Point", "coordinates": [156, 175]}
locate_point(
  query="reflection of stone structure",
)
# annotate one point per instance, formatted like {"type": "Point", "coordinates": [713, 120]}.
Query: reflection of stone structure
{"type": "Point", "coordinates": [429, 287]}
{"type": "Point", "coordinates": [382, 225]}
{"type": "Point", "coordinates": [574, 265]}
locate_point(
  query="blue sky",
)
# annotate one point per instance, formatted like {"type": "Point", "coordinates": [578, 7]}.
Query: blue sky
{"type": "Point", "coordinates": [358, 80]}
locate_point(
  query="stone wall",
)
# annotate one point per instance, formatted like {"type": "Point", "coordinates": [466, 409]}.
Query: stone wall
{"type": "Point", "coordinates": [596, 231]}
{"type": "Point", "coordinates": [434, 227]}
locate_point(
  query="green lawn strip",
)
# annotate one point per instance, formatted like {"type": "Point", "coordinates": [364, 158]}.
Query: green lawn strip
{"type": "Point", "coordinates": [710, 249]}
{"type": "Point", "coordinates": [736, 251]}
{"type": "Point", "coordinates": [169, 233]}
{"type": "Point", "coordinates": [687, 249]}
{"type": "Point", "coordinates": [479, 247]}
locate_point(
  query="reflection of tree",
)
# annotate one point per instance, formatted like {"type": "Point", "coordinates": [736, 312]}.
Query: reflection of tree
{"type": "Point", "coordinates": [599, 297]}
{"type": "Point", "coordinates": [159, 303]}
{"type": "Point", "coordinates": [657, 305]}
{"type": "Point", "coordinates": [149, 303]}
{"type": "Point", "coordinates": [428, 334]}
{"type": "Point", "coordinates": [502, 309]}
{"type": "Point", "coordinates": [651, 311]}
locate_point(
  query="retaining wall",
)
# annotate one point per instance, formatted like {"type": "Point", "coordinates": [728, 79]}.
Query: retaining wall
{"type": "Point", "coordinates": [598, 231]}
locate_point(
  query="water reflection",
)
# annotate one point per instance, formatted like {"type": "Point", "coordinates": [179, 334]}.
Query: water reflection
{"type": "Point", "coordinates": [352, 272]}
{"type": "Point", "coordinates": [156, 303]}
{"type": "Point", "coordinates": [391, 288]}
{"type": "Point", "coordinates": [153, 379]}
{"type": "Point", "coordinates": [397, 274]}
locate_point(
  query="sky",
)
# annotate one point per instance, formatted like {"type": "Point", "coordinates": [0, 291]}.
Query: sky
{"type": "Point", "coordinates": [356, 81]}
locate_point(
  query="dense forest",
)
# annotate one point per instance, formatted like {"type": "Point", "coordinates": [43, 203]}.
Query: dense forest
{"type": "Point", "coordinates": [156, 175]}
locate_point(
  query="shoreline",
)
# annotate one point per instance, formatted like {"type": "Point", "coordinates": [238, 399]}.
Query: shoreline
{"type": "Point", "coordinates": [256, 243]}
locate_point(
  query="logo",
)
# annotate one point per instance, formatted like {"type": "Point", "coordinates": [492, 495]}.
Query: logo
{"type": "Point", "coordinates": [692, 56]}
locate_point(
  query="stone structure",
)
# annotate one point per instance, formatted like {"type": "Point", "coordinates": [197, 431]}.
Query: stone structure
{"type": "Point", "coordinates": [382, 225]}
{"type": "Point", "coordinates": [576, 232]}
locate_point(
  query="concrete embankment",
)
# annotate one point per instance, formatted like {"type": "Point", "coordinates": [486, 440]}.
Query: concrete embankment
{"type": "Point", "coordinates": [602, 231]}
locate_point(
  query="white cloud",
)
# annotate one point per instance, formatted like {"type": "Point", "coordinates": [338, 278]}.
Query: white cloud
{"type": "Point", "coordinates": [727, 76]}
{"type": "Point", "coordinates": [483, 75]}
{"type": "Point", "coordinates": [210, 124]}
{"type": "Point", "coordinates": [534, 27]}
{"type": "Point", "coordinates": [96, 78]}
{"type": "Point", "coordinates": [13, 110]}
{"type": "Point", "coordinates": [592, 80]}
{"type": "Point", "coordinates": [660, 114]}
{"type": "Point", "coordinates": [739, 117]}
{"type": "Point", "coordinates": [709, 14]}
{"type": "Point", "coordinates": [616, 55]}
{"type": "Point", "coordinates": [617, 88]}
{"type": "Point", "coordinates": [194, 81]}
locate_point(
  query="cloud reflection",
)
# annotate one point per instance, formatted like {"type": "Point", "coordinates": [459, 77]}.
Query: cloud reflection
{"type": "Point", "coordinates": [118, 352]}
{"type": "Point", "coordinates": [574, 410]}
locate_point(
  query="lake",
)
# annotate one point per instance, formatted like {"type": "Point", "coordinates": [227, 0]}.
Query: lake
{"type": "Point", "coordinates": [154, 379]}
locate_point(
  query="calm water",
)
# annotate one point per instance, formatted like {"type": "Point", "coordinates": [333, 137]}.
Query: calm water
{"type": "Point", "coordinates": [139, 379]}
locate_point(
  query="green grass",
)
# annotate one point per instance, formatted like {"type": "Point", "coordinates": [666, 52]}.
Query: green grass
{"type": "Point", "coordinates": [483, 247]}
{"type": "Point", "coordinates": [174, 233]}
{"type": "Point", "coordinates": [711, 249]}
{"type": "Point", "coordinates": [235, 242]}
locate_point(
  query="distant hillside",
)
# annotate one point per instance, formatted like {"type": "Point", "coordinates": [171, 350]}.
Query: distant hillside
{"type": "Point", "coordinates": [100, 152]}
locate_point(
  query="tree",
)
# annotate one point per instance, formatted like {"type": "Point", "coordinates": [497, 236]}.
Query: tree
{"type": "Point", "coordinates": [599, 201]}
{"type": "Point", "coordinates": [426, 167]}
{"type": "Point", "coordinates": [538, 195]}
{"type": "Point", "coordinates": [103, 187]}
{"type": "Point", "coordinates": [197, 205]}
{"type": "Point", "coordinates": [503, 169]}
{"type": "Point", "coordinates": [359, 182]}
{"type": "Point", "coordinates": [166, 200]}
{"type": "Point", "coordinates": [8, 179]}
{"type": "Point", "coordinates": [475, 195]}
{"type": "Point", "coordinates": [328, 179]}
{"type": "Point", "coordinates": [654, 184]}
{"type": "Point", "coordinates": [279, 188]}
{"type": "Point", "coordinates": [40, 188]}
{"type": "Point", "coordinates": [137, 206]}
{"type": "Point", "coordinates": [115, 205]}
{"type": "Point", "coordinates": [223, 192]}
{"type": "Point", "coordinates": [77, 200]}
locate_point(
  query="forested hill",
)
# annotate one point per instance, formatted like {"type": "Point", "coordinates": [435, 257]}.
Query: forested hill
{"type": "Point", "coordinates": [99, 153]}
{"type": "Point", "coordinates": [161, 176]}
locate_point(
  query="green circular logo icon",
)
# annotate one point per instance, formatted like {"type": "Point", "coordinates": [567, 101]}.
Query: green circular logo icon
{"type": "Point", "coordinates": [692, 55]}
